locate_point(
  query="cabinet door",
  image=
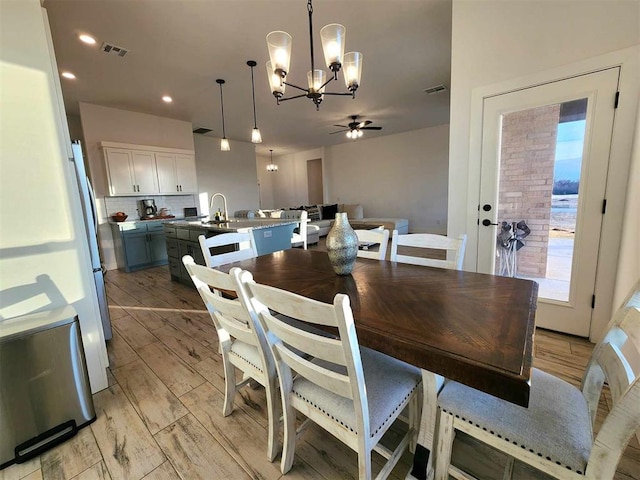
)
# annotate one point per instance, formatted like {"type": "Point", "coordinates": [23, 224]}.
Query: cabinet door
{"type": "Point", "coordinates": [121, 180]}
{"type": "Point", "coordinates": [136, 249]}
{"type": "Point", "coordinates": [157, 247]}
{"type": "Point", "coordinates": [186, 173]}
{"type": "Point", "coordinates": [144, 171]}
{"type": "Point", "coordinates": [166, 165]}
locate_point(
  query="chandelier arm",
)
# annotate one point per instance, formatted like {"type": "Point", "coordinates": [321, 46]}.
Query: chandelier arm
{"type": "Point", "coordinates": [338, 93]}
{"type": "Point", "coordinates": [295, 86]}
{"type": "Point", "coordinates": [310, 9]}
{"type": "Point", "coordinates": [325, 83]}
{"type": "Point", "coordinates": [291, 98]}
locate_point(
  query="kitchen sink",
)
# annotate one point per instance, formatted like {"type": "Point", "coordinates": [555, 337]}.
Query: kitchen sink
{"type": "Point", "coordinates": [217, 222]}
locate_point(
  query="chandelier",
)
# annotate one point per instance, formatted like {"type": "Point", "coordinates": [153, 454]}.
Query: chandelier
{"type": "Point", "coordinates": [272, 167]}
{"type": "Point", "coordinates": [333, 40]}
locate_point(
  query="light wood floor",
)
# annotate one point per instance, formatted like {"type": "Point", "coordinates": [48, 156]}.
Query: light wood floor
{"type": "Point", "coordinates": [161, 417]}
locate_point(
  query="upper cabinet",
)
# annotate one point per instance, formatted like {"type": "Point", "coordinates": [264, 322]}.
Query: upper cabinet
{"type": "Point", "coordinates": [176, 173]}
{"type": "Point", "coordinates": [141, 170]}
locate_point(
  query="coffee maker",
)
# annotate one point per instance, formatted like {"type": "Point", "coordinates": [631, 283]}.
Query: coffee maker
{"type": "Point", "coordinates": [148, 208]}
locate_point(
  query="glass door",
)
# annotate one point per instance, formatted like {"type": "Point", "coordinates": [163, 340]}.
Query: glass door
{"type": "Point", "coordinates": [545, 156]}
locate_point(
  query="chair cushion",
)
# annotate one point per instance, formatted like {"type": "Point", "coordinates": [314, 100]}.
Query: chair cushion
{"type": "Point", "coordinates": [389, 383]}
{"type": "Point", "coordinates": [556, 425]}
{"type": "Point", "coordinates": [248, 353]}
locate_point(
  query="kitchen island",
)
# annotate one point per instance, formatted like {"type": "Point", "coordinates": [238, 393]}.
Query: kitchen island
{"type": "Point", "coordinates": [269, 234]}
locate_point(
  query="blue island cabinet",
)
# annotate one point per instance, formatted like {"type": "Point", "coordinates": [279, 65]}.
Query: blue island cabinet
{"type": "Point", "coordinates": [182, 239]}
{"type": "Point", "coordinates": [272, 239]}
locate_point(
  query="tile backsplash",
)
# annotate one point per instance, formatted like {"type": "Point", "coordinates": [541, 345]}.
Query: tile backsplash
{"type": "Point", "coordinates": [130, 205]}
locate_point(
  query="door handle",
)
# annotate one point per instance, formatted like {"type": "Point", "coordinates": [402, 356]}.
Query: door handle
{"type": "Point", "coordinates": [486, 222]}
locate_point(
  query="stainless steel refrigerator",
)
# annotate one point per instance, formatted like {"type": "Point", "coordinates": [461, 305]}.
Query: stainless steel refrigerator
{"type": "Point", "coordinates": [87, 198]}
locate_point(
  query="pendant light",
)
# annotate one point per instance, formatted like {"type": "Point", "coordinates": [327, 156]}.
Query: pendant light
{"type": "Point", "coordinates": [224, 143]}
{"type": "Point", "coordinates": [255, 133]}
{"type": "Point", "coordinates": [272, 167]}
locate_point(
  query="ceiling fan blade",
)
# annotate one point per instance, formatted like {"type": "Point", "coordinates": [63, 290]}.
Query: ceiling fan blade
{"type": "Point", "coordinates": [342, 126]}
{"type": "Point", "coordinates": [366, 122]}
{"type": "Point", "coordinates": [340, 131]}
{"type": "Point", "coordinates": [371, 128]}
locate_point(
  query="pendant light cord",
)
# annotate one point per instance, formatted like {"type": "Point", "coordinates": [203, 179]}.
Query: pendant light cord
{"type": "Point", "coordinates": [224, 135]}
{"type": "Point", "coordinates": [310, 8]}
{"type": "Point", "coordinates": [253, 91]}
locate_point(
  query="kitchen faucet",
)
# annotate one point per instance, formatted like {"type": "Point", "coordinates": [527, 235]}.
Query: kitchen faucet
{"type": "Point", "coordinates": [225, 214]}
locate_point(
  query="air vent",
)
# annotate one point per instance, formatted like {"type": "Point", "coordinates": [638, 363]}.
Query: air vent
{"type": "Point", "coordinates": [436, 89]}
{"type": "Point", "coordinates": [202, 130]}
{"type": "Point", "coordinates": [113, 49]}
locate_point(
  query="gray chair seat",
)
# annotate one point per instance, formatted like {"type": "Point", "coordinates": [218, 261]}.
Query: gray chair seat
{"type": "Point", "coordinates": [556, 425]}
{"type": "Point", "coordinates": [381, 374]}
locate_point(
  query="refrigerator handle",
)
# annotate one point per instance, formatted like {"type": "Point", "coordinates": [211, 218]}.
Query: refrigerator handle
{"type": "Point", "coordinates": [94, 208]}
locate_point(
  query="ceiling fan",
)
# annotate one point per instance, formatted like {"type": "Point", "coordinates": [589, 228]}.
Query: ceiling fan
{"type": "Point", "coordinates": [354, 128]}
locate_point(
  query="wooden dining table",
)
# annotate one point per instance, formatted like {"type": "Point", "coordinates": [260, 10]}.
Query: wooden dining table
{"type": "Point", "coordinates": [473, 328]}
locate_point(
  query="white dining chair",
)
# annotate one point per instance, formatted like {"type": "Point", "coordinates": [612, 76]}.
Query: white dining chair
{"type": "Point", "coordinates": [246, 248]}
{"type": "Point", "coordinates": [352, 392]}
{"type": "Point", "coordinates": [376, 236]}
{"type": "Point", "coordinates": [299, 236]}
{"type": "Point", "coordinates": [554, 434]}
{"type": "Point", "coordinates": [429, 241]}
{"type": "Point", "coordinates": [242, 343]}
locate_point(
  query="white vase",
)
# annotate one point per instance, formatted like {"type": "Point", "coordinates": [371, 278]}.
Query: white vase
{"type": "Point", "coordinates": [342, 245]}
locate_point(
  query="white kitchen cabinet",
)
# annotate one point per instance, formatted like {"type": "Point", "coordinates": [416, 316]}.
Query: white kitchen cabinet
{"type": "Point", "coordinates": [146, 170]}
{"type": "Point", "coordinates": [176, 173]}
{"type": "Point", "coordinates": [131, 172]}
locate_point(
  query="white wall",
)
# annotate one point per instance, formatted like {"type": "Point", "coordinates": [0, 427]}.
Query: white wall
{"type": "Point", "coordinates": [496, 42]}
{"type": "Point", "coordinates": [44, 253]}
{"type": "Point", "coordinates": [402, 175]}
{"type": "Point", "coordinates": [629, 262]}
{"type": "Point", "coordinates": [232, 173]}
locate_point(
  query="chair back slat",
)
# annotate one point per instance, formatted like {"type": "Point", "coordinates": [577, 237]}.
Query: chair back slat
{"type": "Point", "coordinates": [377, 235]}
{"type": "Point", "coordinates": [617, 371]}
{"type": "Point", "coordinates": [429, 241]}
{"type": "Point", "coordinates": [230, 315]}
{"type": "Point", "coordinates": [335, 382]}
{"type": "Point", "coordinates": [246, 248]}
{"type": "Point", "coordinates": [318, 346]}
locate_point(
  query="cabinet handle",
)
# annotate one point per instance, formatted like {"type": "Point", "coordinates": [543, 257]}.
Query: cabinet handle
{"type": "Point", "coordinates": [180, 187]}
{"type": "Point", "coordinates": [177, 188]}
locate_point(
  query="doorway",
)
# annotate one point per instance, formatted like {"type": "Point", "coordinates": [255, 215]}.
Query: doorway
{"type": "Point", "coordinates": [545, 154]}
{"type": "Point", "coordinates": [314, 181]}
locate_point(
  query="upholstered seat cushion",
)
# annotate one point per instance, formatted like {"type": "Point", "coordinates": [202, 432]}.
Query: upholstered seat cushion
{"type": "Point", "coordinates": [389, 383]}
{"type": "Point", "coordinates": [249, 353]}
{"type": "Point", "coordinates": [556, 425]}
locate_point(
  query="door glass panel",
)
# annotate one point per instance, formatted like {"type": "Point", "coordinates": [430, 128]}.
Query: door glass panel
{"type": "Point", "coordinates": [539, 177]}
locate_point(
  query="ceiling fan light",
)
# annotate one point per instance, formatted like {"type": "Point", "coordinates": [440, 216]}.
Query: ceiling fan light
{"type": "Point", "coordinates": [333, 40]}
{"type": "Point", "coordinates": [349, 134]}
{"type": "Point", "coordinates": [279, 44]}
{"type": "Point", "coordinates": [316, 81]}
{"type": "Point", "coordinates": [224, 145]}
{"type": "Point", "coordinates": [359, 132]}
{"type": "Point", "coordinates": [352, 70]}
{"type": "Point", "coordinates": [275, 81]}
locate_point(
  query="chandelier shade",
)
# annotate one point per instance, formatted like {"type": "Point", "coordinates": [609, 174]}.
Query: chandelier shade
{"type": "Point", "coordinates": [256, 137]}
{"type": "Point", "coordinates": [224, 143]}
{"type": "Point", "coordinates": [333, 37]}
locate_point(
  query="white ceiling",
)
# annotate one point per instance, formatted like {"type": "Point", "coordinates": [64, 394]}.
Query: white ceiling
{"type": "Point", "coordinates": [180, 47]}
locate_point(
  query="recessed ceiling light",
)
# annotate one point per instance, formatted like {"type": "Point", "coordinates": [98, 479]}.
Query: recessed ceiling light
{"type": "Point", "coordinates": [167, 99]}
{"type": "Point", "coordinates": [87, 39]}
{"type": "Point", "coordinates": [68, 75]}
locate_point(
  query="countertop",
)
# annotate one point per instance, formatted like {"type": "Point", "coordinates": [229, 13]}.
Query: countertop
{"type": "Point", "coordinates": [233, 225]}
{"type": "Point", "coordinates": [157, 219]}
